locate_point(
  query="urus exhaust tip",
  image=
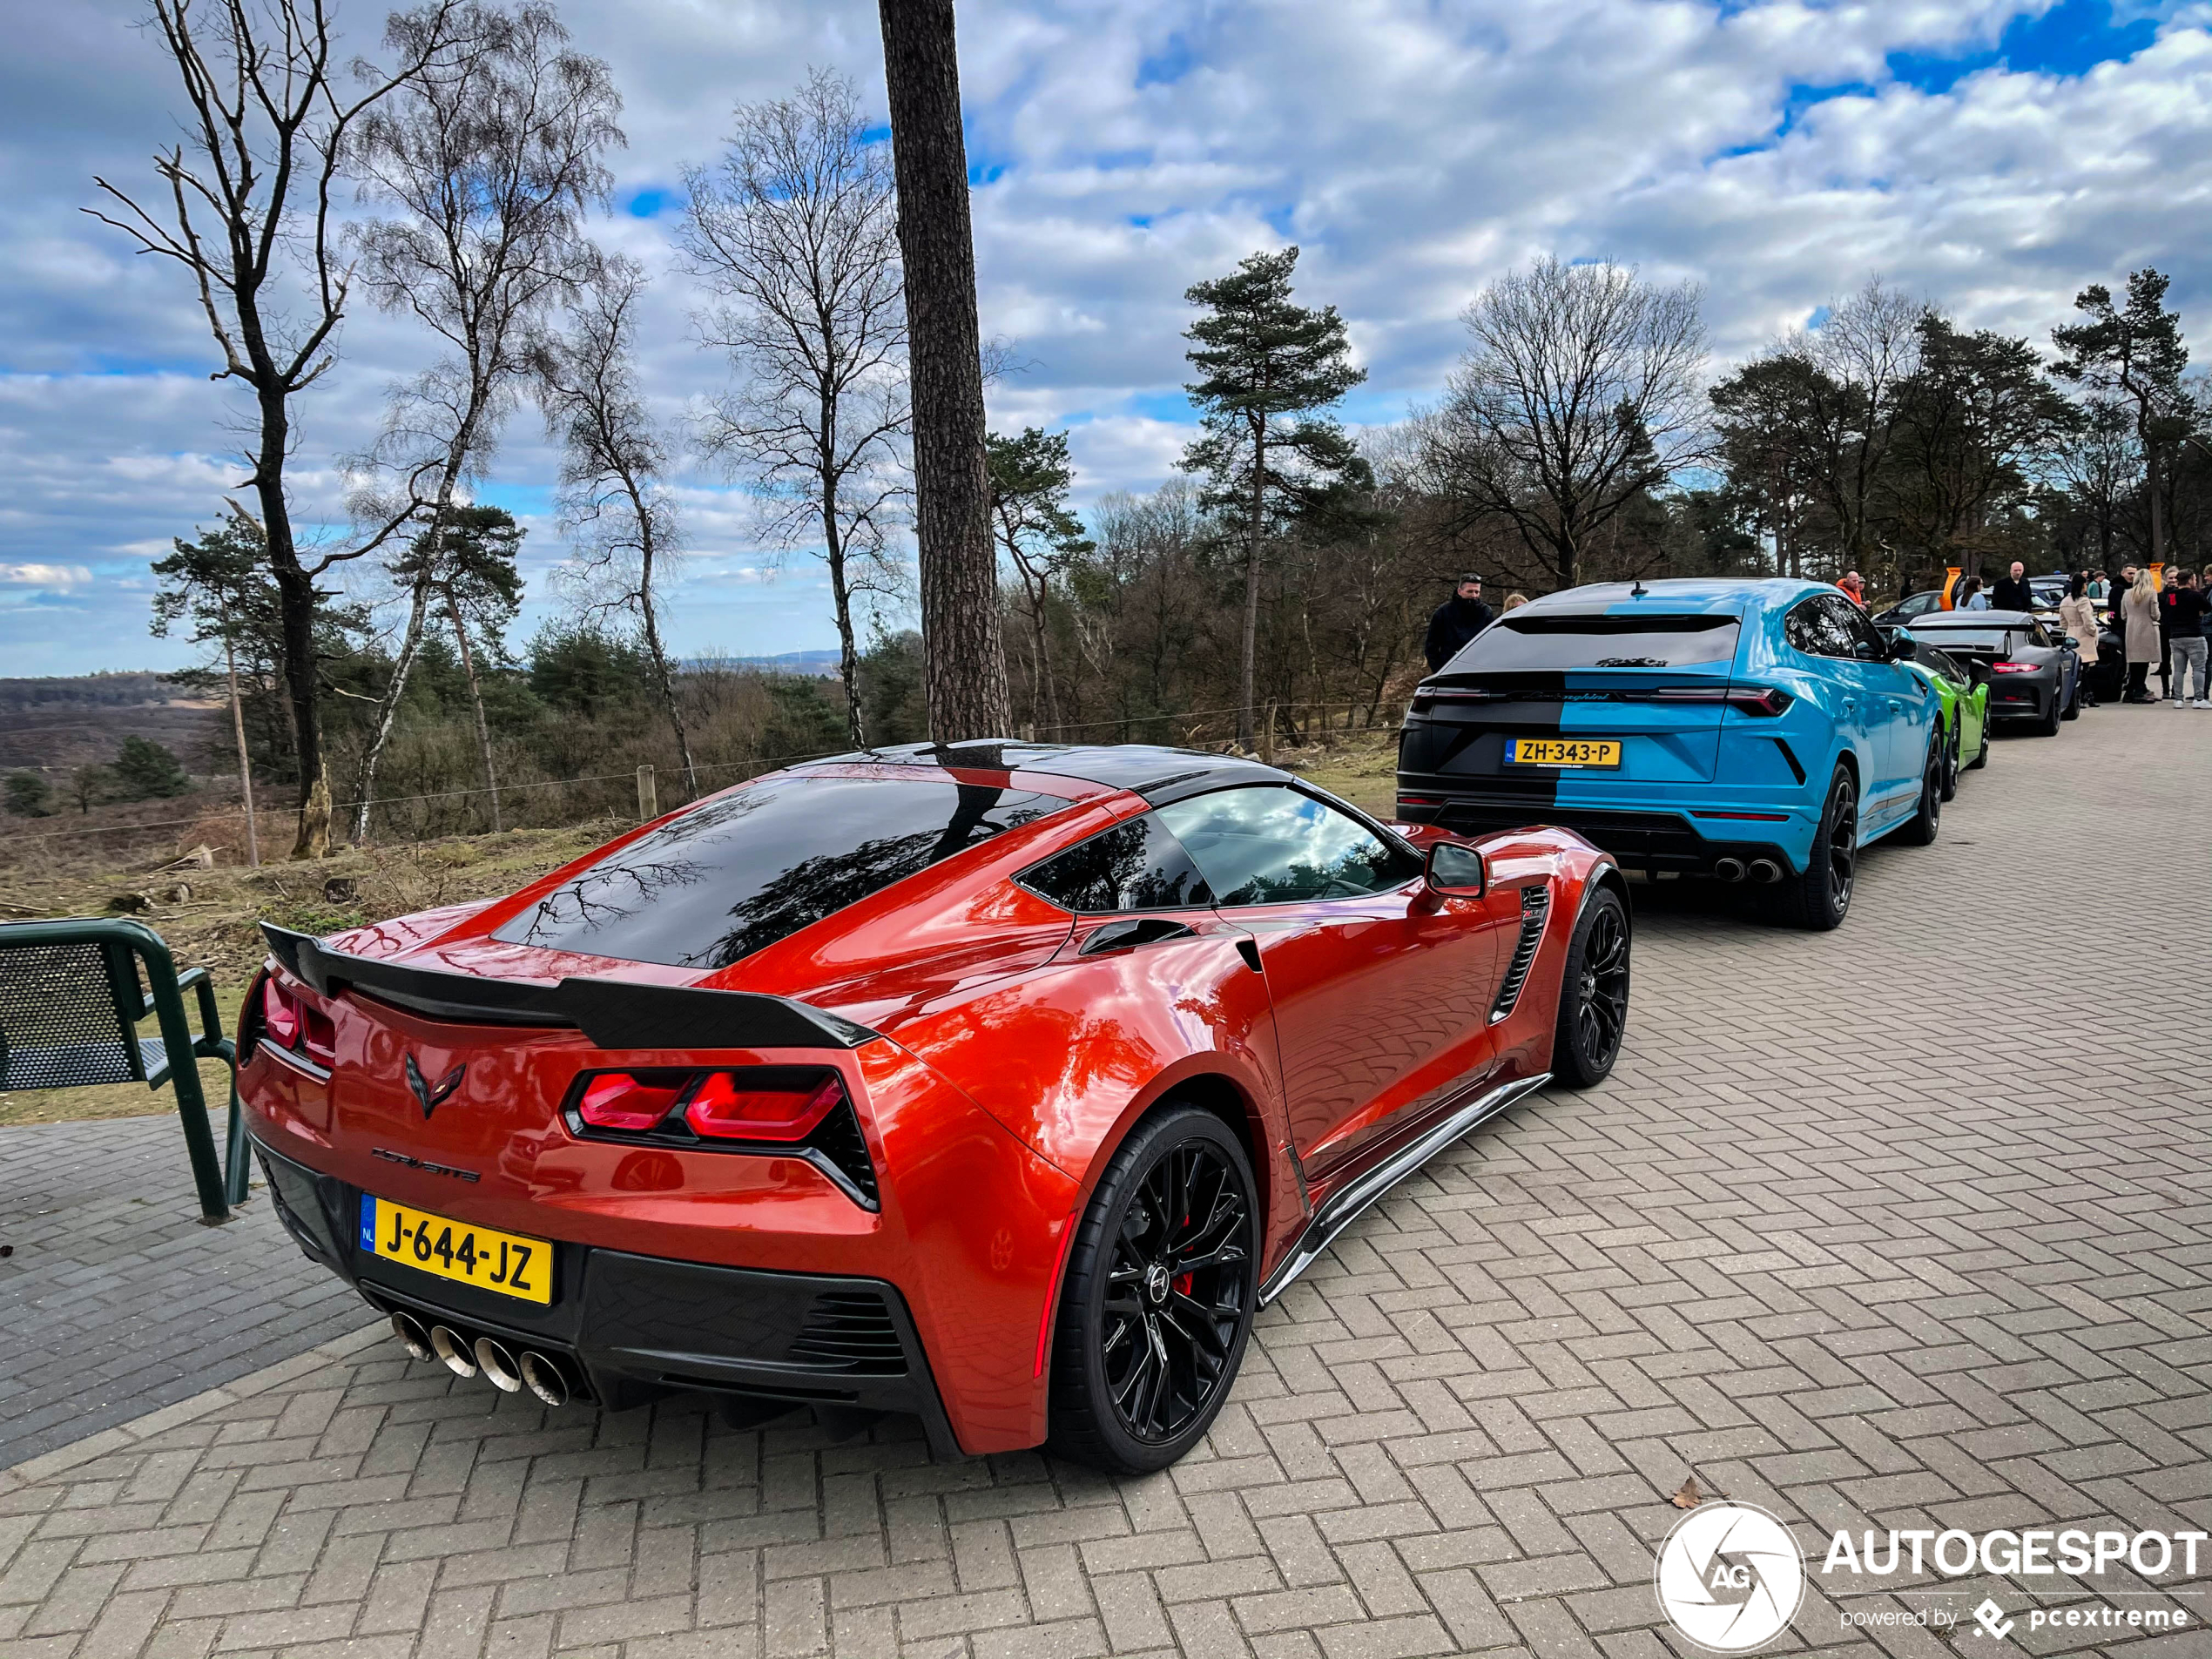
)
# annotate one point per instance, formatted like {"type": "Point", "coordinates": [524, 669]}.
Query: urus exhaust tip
{"type": "Point", "coordinates": [498, 1365]}
{"type": "Point", "coordinates": [452, 1347]}
{"type": "Point", "coordinates": [542, 1378]}
{"type": "Point", "coordinates": [1728, 869]}
{"type": "Point", "coordinates": [413, 1337]}
{"type": "Point", "coordinates": [1765, 870]}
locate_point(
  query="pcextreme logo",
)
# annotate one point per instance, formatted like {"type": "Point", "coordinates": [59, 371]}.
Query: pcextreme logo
{"type": "Point", "coordinates": [1729, 1577]}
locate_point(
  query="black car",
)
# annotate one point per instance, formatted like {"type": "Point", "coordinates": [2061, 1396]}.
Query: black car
{"type": "Point", "coordinates": [1913, 604]}
{"type": "Point", "coordinates": [2033, 672]}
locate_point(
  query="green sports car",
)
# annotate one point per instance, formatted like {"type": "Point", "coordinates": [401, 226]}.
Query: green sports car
{"type": "Point", "coordinates": [1963, 718]}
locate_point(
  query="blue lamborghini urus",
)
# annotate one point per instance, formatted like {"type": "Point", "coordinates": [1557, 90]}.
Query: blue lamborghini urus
{"type": "Point", "coordinates": [1759, 732]}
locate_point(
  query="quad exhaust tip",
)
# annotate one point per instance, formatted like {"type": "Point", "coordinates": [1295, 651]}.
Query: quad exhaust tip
{"type": "Point", "coordinates": [1765, 870]}
{"type": "Point", "coordinates": [543, 1377]}
{"type": "Point", "coordinates": [452, 1347]}
{"type": "Point", "coordinates": [413, 1337]}
{"type": "Point", "coordinates": [498, 1367]}
{"type": "Point", "coordinates": [541, 1374]}
{"type": "Point", "coordinates": [1728, 869]}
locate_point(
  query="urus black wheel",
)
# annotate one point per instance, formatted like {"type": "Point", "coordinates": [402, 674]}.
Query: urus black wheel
{"type": "Point", "coordinates": [1820, 898]}
{"type": "Point", "coordinates": [1157, 1304]}
{"type": "Point", "coordinates": [1593, 994]}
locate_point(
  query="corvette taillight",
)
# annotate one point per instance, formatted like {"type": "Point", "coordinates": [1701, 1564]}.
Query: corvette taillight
{"type": "Point", "coordinates": [724, 1108]}
{"type": "Point", "coordinates": [621, 1099]}
{"type": "Point", "coordinates": [279, 1013]}
{"type": "Point", "coordinates": [318, 1036]}
{"type": "Point", "coordinates": [799, 1111]}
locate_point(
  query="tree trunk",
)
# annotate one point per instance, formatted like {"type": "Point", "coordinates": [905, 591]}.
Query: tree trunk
{"type": "Point", "coordinates": [1044, 657]}
{"type": "Point", "coordinates": [964, 658]}
{"type": "Point", "coordinates": [244, 766]}
{"type": "Point", "coordinates": [650, 612]}
{"type": "Point", "coordinates": [2157, 506]}
{"type": "Point", "coordinates": [296, 616]}
{"type": "Point", "coordinates": [388, 711]}
{"type": "Point", "coordinates": [848, 658]}
{"type": "Point", "coordinates": [1256, 518]}
{"type": "Point", "coordinates": [476, 698]}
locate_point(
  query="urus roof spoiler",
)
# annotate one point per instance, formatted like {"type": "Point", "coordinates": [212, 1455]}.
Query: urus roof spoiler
{"type": "Point", "coordinates": [613, 1014]}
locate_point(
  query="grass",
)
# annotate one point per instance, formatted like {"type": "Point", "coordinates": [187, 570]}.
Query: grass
{"type": "Point", "coordinates": [214, 925]}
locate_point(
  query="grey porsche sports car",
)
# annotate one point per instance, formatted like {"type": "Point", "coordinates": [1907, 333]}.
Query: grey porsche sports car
{"type": "Point", "coordinates": [2032, 673]}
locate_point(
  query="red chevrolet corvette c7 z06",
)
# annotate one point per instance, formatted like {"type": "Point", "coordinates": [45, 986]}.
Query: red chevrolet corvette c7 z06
{"type": "Point", "coordinates": [999, 1083]}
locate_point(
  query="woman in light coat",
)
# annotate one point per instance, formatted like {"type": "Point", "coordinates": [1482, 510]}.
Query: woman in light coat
{"type": "Point", "coordinates": [2139, 622]}
{"type": "Point", "coordinates": [2078, 616]}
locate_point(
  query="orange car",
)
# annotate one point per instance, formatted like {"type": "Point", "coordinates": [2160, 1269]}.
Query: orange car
{"type": "Point", "coordinates": [1000, 1083]}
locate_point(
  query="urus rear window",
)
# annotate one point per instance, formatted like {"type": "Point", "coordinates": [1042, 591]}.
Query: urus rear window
{"type": "Point", "coordinates": [738, 873]}
{"type": "Point", "coordinates": [1551, 642]}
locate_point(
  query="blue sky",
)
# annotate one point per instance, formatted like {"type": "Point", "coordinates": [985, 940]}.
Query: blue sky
{"type": "Point", "coordinates": [1993, 157]}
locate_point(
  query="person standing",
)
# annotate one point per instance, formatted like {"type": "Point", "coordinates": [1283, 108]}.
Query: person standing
{"type": "Point", "coordinates": [1854, 585]}
{"type": "Point", "coordinates": [1971, 597]}
{"type": "Point", "coordinates": [1513, 601]}
{"type": "Point", "coordinates": [1458, 619]}
{"type": "Point", "coordinates": [2118, 595]}
{"type": "Point", "coordinates": [2182, 609]}
{"type": "Point", "coordinates": [2011, 592]}
{"type": "Point", "coordinates": [2138, 627]}
{"type": "Point", "coordinates": [2078, 616]}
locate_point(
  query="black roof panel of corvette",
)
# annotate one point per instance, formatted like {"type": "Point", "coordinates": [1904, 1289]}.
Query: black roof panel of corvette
{"type": "Point", "coordinates": [1151, 769]}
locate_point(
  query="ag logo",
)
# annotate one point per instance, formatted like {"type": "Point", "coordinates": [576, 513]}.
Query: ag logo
{"type": "Point", "coordinates": [1729, 1577]}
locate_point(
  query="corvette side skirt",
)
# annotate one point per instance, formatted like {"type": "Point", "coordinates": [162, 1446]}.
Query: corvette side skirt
{"type": "Point", "coordinates": [1342, 1208]}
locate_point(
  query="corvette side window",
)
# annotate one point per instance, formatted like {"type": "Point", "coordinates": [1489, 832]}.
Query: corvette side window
{"type": "Point", "coordinates": [1134, 866]}
{"type": "Point", "coordinates": [1271, 844]}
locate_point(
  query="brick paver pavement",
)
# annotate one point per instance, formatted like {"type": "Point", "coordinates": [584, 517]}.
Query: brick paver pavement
{"type": "Point", "coordinates": [117, 1300]}
{"type": "Point", "coordinates": [1902, 1226]}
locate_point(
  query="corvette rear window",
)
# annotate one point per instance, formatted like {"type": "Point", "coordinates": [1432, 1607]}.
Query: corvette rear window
{"type": "Point", "coordinates": [1554, 642]}
{"type": "Point", "coordinates": [744, 870]}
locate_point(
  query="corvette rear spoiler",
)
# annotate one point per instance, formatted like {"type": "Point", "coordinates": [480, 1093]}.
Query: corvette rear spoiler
{"type": "Point", "coordinates": [614, 1013]}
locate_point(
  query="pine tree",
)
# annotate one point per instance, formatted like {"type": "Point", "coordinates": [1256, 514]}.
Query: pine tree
{"type": "Point", "coordinates": [1266, 365]}
{"type": "Point", "coordinates": [2136, 353]}
{"type": "Point", "coordinates": [1030, 476]}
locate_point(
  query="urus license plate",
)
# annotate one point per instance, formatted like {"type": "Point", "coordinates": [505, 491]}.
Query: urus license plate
{"type": "Point", "coordinates": [504, 1263]}
{"type": "Point", "coordinates": [1562, 752]}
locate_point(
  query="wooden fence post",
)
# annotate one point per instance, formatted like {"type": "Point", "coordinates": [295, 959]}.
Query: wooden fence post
{"type": "Point", "coordinates": [647, 810]}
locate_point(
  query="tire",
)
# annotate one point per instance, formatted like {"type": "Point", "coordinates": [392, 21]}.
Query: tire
{"type": "Point", "coordinates": [1920, 829]}
{"type": "Point", "coordinates": [1982, 755]}
{"type": "Point", "coordinates": [1819, 898]}
{"type": "Point", "coordinates": [2073, 710]}
{"type": "Point", "coordinates": [2048, 725]}
{"type": "Point", "coordinates": [1593, 994]}
{"type": "Point", "coordinates": [1951, 760]}
{"type": "Point", "coordinates": [1144, 1355]}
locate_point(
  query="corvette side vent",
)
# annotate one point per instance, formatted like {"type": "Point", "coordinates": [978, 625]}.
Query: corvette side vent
{"type": "Point", "coordinates": [851, 1330]}
{"type": "Point", "coordinates": [1535, 904]}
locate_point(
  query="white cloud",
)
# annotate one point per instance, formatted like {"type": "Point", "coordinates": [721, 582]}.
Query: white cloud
{"type": "Point", "coordinates": [1415, 149]}
{"type": "Point", "coordinates": [44, 575]}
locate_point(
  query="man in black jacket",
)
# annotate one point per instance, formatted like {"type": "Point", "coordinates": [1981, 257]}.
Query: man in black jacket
{"type": "Point", "coordinates": [1458, 619]}
{"type": "Point", "coordinates": [2011, 592]}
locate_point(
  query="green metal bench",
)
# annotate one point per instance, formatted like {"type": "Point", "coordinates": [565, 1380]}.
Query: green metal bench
{"type": "Point", "coordinates": [71, 996]}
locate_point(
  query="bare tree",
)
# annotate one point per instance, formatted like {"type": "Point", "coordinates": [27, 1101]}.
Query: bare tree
{"type": "Point", "coordinates": [795, 230]}
{"type": "Point", "coordinates": [1868, 350]}
{"type": "Point", "coordinates": [492, 169]}
{"type": "Point", "coordinates": [964, 657]}
{"type": "Point", "coordinates": [617, 515]}
{"type": "Point", "coordinates": [1579, 394]}
{"type": "Point", "coordinates": [249, 219]}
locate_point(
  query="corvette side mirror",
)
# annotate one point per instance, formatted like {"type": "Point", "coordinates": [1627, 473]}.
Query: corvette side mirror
{"type": "Point", "coordinates": [1452, 871]}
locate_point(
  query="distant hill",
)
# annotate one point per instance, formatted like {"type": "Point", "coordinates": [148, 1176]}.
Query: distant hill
{"type": "Point", "coordinates": [808, 665]}
{"type": "Point", "coordinates": [60, 723]}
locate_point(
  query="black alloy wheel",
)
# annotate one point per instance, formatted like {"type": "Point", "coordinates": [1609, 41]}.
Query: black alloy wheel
{"type": "Point", "coordinates": [1593, 994]}
{"type": "Point", "coordinates": [2073, 710]}
{"type": "Point", "coordinates": [1158, 1301]}
{"type": "Point", "coordinates": [1920, 829]}
{"type": "Point", "coordinates": [1950, 758]}
{"type": "Point", "coordinates": [2047, 726]}
{"type": "Point", "coordinates": [1982, 755]}
{"type": "Point", "coordinates": [1820, 898]}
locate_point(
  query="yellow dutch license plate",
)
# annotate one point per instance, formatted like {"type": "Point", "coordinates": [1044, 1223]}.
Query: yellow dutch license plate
{"type": "Point", "coordinates": [504, 1263]}
{"type": "Point", "coordinates": [1563, 751]}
